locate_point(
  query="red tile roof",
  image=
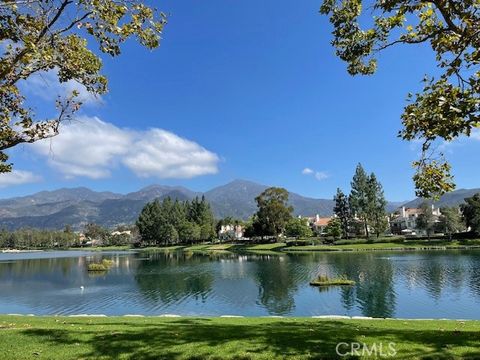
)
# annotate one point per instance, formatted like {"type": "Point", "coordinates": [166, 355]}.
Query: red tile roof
{"type": "Point", "coordinates": [322, 221]}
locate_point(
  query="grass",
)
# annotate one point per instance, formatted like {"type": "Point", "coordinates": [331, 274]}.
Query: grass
{"type": "Point", "coordinates": [409, 245]}
{"type": "Point", "coordinates": [323, 280]}
{"type": "Point", "coordinates": [162, 248]}
{"type": "Point", "coordinates": [391, 243]}
{"type": "Point", "coordinates": [222, 247]}
{"type": "Point", "coordinates": [23, 337]}
{"type": "Point", "coordinates": [196, 247]}
{"type": "Point", "coordinates": [274, 246]}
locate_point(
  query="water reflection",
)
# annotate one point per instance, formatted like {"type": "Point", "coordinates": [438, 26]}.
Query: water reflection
{"type": "Point", "coordinates": [417, 284]}
{"type": "Point", "coordinates": [277, 281]}
{"type": "Point", "coordinates": [171, 277]}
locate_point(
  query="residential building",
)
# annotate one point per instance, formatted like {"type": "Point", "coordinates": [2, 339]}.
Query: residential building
{"type": "Point", "coordinates": [231, 232]}
{"type": "Point", "coordinates": [318, 224]}
{"type": "Point", "coordinates": [404, 220]}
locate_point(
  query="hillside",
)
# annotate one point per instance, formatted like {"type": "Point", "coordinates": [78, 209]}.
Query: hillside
{"type": "Point", "coordinates": [78, 206]}
{"type": "Point", "coordinates": [453, 198]}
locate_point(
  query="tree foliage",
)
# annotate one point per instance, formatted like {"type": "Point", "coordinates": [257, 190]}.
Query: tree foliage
{"type": "Point", "coordinates": [42, 35]}
{"type": "Point", "coordinates": [38, 239]}
{"type": "Point", "coordinates": [358, 198]}
{"type": "Point", "coordinates": [334, 228]}
{"type": "Point", "coordinates": [172, 222]}
{"type": "Point", "coordinates": [451, 221]}
{"type": "Point", "coordinates": [366, 204]}
{"type": "Point", "coordinates": [426, 220]}
{"type": "Point", "coordinates": [298, 228]}
{"type": "Point", "coordinates": [449, 104]}
{"type": "Point", "coordinates": [273, 212]}
{"type": "Point", "coordinates": [95, 232]}
{"type": "Point", "coordinates": [342, 211]}
{"type": "Point", "coordinates": [471, 213]}
{"type": "Point", "coordinates": [376, 204]}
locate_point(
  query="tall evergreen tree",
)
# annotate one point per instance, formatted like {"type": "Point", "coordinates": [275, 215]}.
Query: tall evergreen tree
{"type": "Point", "coordinates": [358, 197]}
{"type": "Point", "coordinates": [342, 211]}
{"type": "Point", "coordinates": [376, 205]}
{"type": "Point", "coordinates": [171, 221]}
{"type": "Point", "coordinates": [149, 221]}
{"type": "Point", "coordinates": [200, 213]}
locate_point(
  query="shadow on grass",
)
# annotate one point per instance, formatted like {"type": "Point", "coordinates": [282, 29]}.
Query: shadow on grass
{"type": "Point", "coordinates": [207, 338]}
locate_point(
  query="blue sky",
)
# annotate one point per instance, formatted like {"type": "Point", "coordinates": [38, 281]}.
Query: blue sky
{"type": "Point", "coordinates": [238, 89]}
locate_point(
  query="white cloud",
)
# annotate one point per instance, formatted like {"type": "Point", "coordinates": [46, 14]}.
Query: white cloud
{"type": "Point", "coordinates": [46, 86]}
{"type": "Point", "coordinates": [91, 147]}
{"type": "Point", "coordinates": [18, 177]}
{"type": "Point", "coordinates": [319, 175]}
{"type": "Point", "coordinates": [307, 171]}
{"type": "Point", "coordinates": [163, 154]}
{"type": "Point", "coordinates": [85, 147]}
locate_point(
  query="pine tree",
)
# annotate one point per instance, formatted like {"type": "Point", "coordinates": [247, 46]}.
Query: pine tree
{"type": "Point", "coordinates": [376, 205]}
{"type": "Point", "coordinates": [342, 211]}
{"type": "Point", "coordinates": [200, 213]}
{"type": "Point", "coordinates": [358, 196]}
{"type": "Point", "coordinates": [149, 221]}
{"type": "Point", "coordinates": [171, 221]}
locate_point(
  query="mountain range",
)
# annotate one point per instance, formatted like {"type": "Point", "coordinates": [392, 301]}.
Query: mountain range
{"type": "Point", "coordinates": [78, 206]}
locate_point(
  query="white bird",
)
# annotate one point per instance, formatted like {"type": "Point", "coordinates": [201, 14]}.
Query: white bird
{"type": "Point", "coordinates": [82, 287]}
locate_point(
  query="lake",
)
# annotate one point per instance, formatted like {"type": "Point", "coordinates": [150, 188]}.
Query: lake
{"type": "Point", "coordinates": [423, 284]}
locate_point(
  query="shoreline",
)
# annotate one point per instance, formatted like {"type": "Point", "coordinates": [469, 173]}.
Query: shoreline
{"type": "Point", "coordinates": [278, 248]}
{"type": "Point", "coordinates": [15, 251]}
{"type": "Point", "coordinates": [229, 316]}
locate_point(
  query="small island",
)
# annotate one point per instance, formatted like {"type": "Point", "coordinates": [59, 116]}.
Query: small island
{"type": "Point", "coordinates": [100, 267]}
{"type": "Point", "coordinates": [324, 280]}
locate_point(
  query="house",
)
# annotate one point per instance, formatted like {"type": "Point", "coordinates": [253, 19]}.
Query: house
{"type": "Point", "coordinates": [404, 220]}
{"type": "Point", "coordinates": [231, 232]}
{"type": "Point", "coordinates": [119, 233]}
{"type": "Point", "coordinates": [319, 224]}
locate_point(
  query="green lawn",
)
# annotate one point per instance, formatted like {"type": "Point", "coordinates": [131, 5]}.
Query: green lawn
{"type": "Point", "coordinates": [414, 245]}
{"type": "Point", "coordinates": [228, 338]}
{"type": "Point", "coordinates": [356, 245]}
{"type": "Point", "coordinates": [162, 248]}
{"type": "Point", "coordinates": [274, 246]}
{"type": "Point", "coordinates": [346, 245]}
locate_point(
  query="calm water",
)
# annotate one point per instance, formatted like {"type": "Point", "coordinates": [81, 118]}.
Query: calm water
{"type": "Point", "coordinates": [439, 284]}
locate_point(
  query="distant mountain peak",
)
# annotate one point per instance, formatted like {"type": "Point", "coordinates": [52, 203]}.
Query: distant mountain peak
{"type": "Point", "coordinates": [241, 182]}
